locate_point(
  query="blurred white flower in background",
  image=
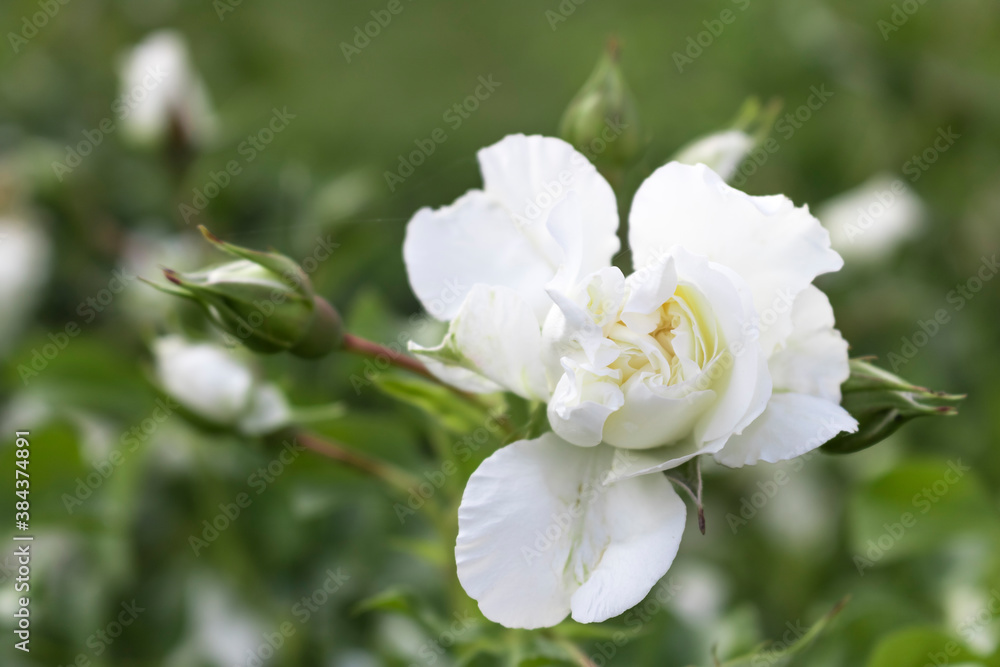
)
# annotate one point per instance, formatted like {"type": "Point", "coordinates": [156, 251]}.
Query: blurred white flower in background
{"type": "Point", "coordinates": [219, 630]}
{"type": "Point", "coordinates": [701, 594]}
{"type": "Point", "coordinates": [216, 385]}
{"type": "Point", "coordinates": [869, 222]}
{"type": "Point", "coordinates": [722, 152]}
{"type": "Point", "coordinates": [161, 92]}
{"type": "Point", "coordinates": [145, 253]}
{"type": "Point", "coordinates": [25, 255]}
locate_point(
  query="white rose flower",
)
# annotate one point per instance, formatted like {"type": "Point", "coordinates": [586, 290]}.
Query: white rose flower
{"type": "Point", "coordinates": [717, 344]}
{"type": "Point", "coordinates": [159, 87]}
{"type": "Point", "coordinates": [722, 151]}
{"type": "Point", "coordinates": [214, 384]}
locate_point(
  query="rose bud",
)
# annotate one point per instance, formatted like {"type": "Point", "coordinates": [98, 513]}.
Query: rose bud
{"type": "Point", "coordinates": [882, 402]}
{"type": "Point", "coordinates": [263, 299]}
{"type": "Point", "coordinates": [602, 121]}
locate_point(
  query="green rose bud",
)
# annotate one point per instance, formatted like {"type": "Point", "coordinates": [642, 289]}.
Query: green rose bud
{"type": "Point", "coordinates": [602, 121]}
{"type": "Point", "coordinates": [882, 402]}
{"type": "Point", "coordinates": [263, 299]}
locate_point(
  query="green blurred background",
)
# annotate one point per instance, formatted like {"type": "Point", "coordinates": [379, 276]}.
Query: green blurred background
{"type": "Point", "coordinates": [776, 568]}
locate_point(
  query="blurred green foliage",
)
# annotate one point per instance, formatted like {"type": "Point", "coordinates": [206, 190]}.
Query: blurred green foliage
{"type": "Point", "coordinates": [776, 556]}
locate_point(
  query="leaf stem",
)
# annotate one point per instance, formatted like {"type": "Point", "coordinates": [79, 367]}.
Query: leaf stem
{"type": "Point", "coordinates": [331, 449]}
{"type": "Point", "coordinates": [371, 349]}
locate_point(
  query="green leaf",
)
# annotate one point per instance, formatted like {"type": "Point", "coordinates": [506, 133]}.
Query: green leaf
{"type": "Point", "coordinates": [397, 598]}
{"type": "Point", "coordinates": [917, 647]}
{"type": "Point", "coordinates": [917, 507]}
{"type": "Point", "coordinates": [781, 654]}
{"type": "Point", "coordinates": [453, 412]}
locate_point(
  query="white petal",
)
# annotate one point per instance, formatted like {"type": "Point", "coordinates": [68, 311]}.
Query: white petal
{"type": "Point", "coordinates": [268, 411]}
{"type": "Point", "coordinates": [582, 402]}
{"type": "Point", "coordinates": [540, 536]}
{"type": "Point", "coordinates": [729, 392]}
{"type": "Point", "coordinates": [531, 174]}
{"type": "Point", "coordinates": [459, 377]}
{"type": "Point", "coordinates": [497, 336]}
{"type": "Point", "coordinates": [792, 425]}
{"type": "Point", "coordinates": [653, 415]}
{"type": "Point", "coordinates": [474, 241]}
{"type": "Point", "coordinates": [775, 247]}
{"type": "Point", "coordinates": [814, 360]}
{"type": "Point", "coordinates": [204, 378]}
{"type": "Point", "coordinates": [722, 151]}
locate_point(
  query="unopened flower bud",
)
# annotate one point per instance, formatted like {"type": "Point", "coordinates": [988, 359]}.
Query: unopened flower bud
{"type": "Point", "coordinates": [882, 402]}
{"type": "Point", "coordinates": [215, 386]}
{"type": "Point", "coordinates": [723, 151]}
{"type": "Point", "coordinates": [163, 99]}
{"type": "Point", "coordinates": [602, 121]}
{"type": "Point", "coordinates": [263, 299]}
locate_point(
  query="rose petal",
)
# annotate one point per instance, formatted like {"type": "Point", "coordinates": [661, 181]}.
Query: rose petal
{"type": "Point", "coordinates": [530, 175]}
{"type": "Point", "coordinates": [541, 537]}
{"type": "Point", "coordinates": [776, 248]}
{"type": "Point", "coordinates": [494, 335]}
{"type": "Point", "coordinates": [792, 425]}
{"type": "Point", "coordinates": [474, 241]}
{"type": "Point", "coordinates": [814, 360]}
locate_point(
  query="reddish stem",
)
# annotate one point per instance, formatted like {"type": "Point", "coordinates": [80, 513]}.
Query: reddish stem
{"type": "Point", "coordinates": [370, 349]}
{"type": "Point", "coordinates": [366, 464]}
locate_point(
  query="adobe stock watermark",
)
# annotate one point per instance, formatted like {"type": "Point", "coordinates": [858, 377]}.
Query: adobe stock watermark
{"type": "Point", "coordinates": [885, 199]}
{"type": "Point", "coordinates": [88, 310]}
{"type": "Point", "coordinates": [774, 654]}
{"type": "Point", "coordinates": [102, 639]}
{"type": "Point", "coordinates": [248, 149]}
{"type": "Point", "coordinates": [900, 16]}
{"type": "Point", "coordinates": [563, 522]}
{"type": "Point", "coordinates": [322, 251]}
{"type": "Point", "coordinates": [31, 25]}
{"type": "Point", "coordinates": [121, 108]}
{"type": "Point", "coordinates": [463, 450]}
{"type": "Point", "coordinates": [918, 164]}
{"type": "Point", "coordinates": [922, 502]}
{"type": "Point", "coordinates": [786, 126]}
{"type": "Point", "coordinates": [957, 299]}
{"type": "Point", "coordinates": [223, 7]}
{"type": "Point", "coordinates": [363, 35]}
{"type": "Point", "coordinates": [452, 293]}
{"type": "Point", "coordinates": [767, 490]}
{"type": "Point", "coordinates": [562, 12]}
{"type": "Point", "coordinates": [454, 116]}
{"type": "Point", "coordinates": [302, 611]}
{"type": "Point", "coordinates": [552, 191]}
{"type": "Point", "coordinates": [258, 481]}
{"type": "Point", "coordinates": [658, 599]}
{"type": "Point", "coordinates": [698, 43]}
{"type": "Point", "coordinates": [433, 651]}
{"type": "Point", "coordinates": [977, 622]}
{"type": "Point", "coordinates": [129, 442]}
